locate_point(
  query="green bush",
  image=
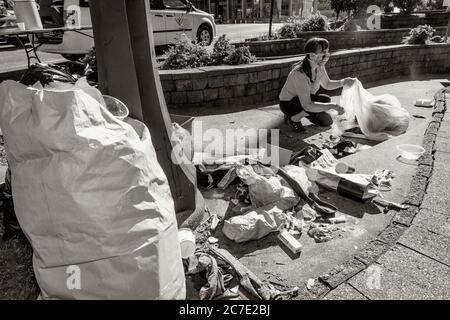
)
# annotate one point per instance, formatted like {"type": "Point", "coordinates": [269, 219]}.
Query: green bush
{"type": "Point", "coordinates": [419, 35]}
{"type": "Point", "coordinates": [437, 39]}
{"type": "Point", "coordinates": [407, 6]}
{"type": "Point", "coordinates": [295, 25]}
{"type": "Point", "coordinates": [290, 29]}
{"type": "Point", "coordinates": [350, 25]}
{"type": "Point", "coordinates": [222, 49]}
{"type": "Point", "coordinates": [185, 54]}
{"type": "Point", "coordinates": [240, 55]}
{"type": "Point", "coordinates": [316, 22]}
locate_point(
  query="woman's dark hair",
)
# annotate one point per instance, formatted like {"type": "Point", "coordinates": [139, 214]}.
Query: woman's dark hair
{"type": "Point", "coordinates": [311, 46]}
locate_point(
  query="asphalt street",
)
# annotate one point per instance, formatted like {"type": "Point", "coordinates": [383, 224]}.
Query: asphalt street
{"type": "Point", "coordinates": [12, 58]}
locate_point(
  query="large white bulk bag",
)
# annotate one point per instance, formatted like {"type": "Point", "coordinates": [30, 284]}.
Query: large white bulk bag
{"type": "Point", "coordinates": [90, 196]}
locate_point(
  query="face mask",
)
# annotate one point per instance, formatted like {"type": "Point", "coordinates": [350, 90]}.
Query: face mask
{"type": "Point", "coordinates": [320, 58]}
{"type": "Point", "coordinates": [326, 58]}
{"type": "Point", "coordinates": [314, 58]}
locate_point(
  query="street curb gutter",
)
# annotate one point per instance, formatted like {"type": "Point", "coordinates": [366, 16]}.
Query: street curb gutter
{"type": "Point", "coordinates": [400, 222]}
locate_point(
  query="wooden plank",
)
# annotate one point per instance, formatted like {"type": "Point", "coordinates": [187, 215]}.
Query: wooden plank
{"type": "Point", "coordinates": [127, 70]}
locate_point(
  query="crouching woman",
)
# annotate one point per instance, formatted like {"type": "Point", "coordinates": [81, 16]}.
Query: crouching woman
{"type": "Point", "coordinates": [299, 98]}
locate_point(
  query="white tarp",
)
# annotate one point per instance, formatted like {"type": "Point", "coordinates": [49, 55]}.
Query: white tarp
{"type": "Point", "coordinates": [90, 196]}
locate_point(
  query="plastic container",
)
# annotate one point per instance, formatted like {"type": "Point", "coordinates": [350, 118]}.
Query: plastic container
{"type": "Point", "coordinates": [116, 107]}
{"type": "Point", "coordinates": [411, 151]}
{"type": "Point", "coordinates": [26, 11]}
{"type": "Point", "coordinates": [187, 242]}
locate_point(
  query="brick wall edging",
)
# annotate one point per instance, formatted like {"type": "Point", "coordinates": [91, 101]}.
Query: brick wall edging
{"type": "Point", "coordinates": [338, 40]}
{"type": "Point", "coordinates": [259, 83]}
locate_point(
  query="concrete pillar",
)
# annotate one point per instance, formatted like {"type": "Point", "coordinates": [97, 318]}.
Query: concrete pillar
{"type": "Point", "coordinates": [290, 7]}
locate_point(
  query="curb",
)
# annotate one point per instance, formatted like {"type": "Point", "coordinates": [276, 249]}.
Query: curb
{"type": "Point", "coordinates": [402, 219]}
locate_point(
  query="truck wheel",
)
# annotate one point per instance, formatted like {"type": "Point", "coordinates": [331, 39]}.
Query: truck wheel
{"type": "Point", "coordinates": [73, 57]}
{"type": "Point", "coordinates": [204, 35]}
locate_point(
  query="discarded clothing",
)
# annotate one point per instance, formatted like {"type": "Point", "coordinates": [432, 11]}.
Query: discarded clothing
{"type": "Point", "coordinates": [215, 285]}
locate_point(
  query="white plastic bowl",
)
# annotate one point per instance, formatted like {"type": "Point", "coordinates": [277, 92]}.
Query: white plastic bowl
{"type": "Point", "coordinates": [116, 107]}
{"type": "Point", "coordinates": [411, 151]}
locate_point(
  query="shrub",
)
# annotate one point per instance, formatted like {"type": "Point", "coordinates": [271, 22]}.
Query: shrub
{"type": "Point", "coordinates": [349, 25]}
{"type": "Point", "coordinates": [437, 39]}
{"type": "Point", "coordinates": [184, 54]}
{"type": "Point", "coordinates": [291, 28]}
{"type": "Point", "coordinates": [240, 55]}
{"type": "Point", "coordinates": [407, 6]}
{"type": "Point", "coordinates": [316, 22]}
{"type": "Point", "coordinates": [419, 35]}
{"type": "Point", "coordinates": [222, 49]}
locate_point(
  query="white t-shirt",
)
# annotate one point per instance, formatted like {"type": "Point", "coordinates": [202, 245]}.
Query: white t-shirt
{"type": "Point", "coordinates": [298, 84]}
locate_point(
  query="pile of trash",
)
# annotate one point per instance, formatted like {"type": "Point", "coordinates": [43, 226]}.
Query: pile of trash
{"type": "Point", "coordinates": [269, 198]}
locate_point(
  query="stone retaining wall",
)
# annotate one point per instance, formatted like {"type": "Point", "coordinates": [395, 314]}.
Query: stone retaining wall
{"type": "Point", "coordinates": [259, 83]}
{"type": "Point", "coordinates": [338, 40]}
{"type": "Point", "coordinates": [434, 19]}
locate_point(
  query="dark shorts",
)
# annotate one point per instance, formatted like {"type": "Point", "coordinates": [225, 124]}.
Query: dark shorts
{"type": "Point", "coordinates": [293, 107]}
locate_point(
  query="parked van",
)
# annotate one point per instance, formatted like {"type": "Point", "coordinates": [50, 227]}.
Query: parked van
{"type": "Point", "coordinates": [170, 19]}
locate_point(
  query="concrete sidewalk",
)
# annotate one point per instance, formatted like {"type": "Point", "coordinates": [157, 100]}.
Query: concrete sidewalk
{"type": "Point", "coordinates": [266, 258]}
{"type": "Point", "coordinates": [417, 266]}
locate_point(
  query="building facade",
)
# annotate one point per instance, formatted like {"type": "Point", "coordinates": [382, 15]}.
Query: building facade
{"type": "Point", "coordinates": [240, 11]}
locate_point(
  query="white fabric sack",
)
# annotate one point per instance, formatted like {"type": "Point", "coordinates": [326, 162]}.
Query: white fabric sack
{"type": "Point", "coordinates": [379, 117]}
{"type": "Point", "coordinates": [90, 196]}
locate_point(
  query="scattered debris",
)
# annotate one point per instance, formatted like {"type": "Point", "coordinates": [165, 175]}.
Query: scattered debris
{"type": "Point", "coordinates": [285, 295]}
{"type": "Point", "coordinates": [248, 280]}
{"type": "Point", "coordinates": [310, 283]}
{"type": "Point", "coordinates": [389, 205]}
{"type": "Point", "coordinates": [213, 240]}
{"type": "Point", "coordinates": [214, 222]}
{"type": "Point", "coordinates": [290, 242]}
{"type": "Point", "coordinates": [214, 285]}
{"type": "Point", "coordinates": [341, 219]}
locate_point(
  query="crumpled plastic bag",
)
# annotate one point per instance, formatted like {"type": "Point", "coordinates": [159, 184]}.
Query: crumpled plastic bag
{"type": "Point", "coordinates": [267, 190]}
{"type": "Point", "coordinates": [300, 175]}
{"type": "Point", "coordinates": [379, 117]}
{"type": "Point", "coordinates": [182, 144]}
{"type": "Point", "coordinates": [255, 224]}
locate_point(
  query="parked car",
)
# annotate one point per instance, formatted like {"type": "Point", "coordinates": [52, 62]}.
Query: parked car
{"type": "Point", "coordinates": [170, 19]}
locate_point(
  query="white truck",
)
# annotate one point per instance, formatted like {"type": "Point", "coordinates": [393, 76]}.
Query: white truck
{"type": "Point", "coordinates": [170, 19]}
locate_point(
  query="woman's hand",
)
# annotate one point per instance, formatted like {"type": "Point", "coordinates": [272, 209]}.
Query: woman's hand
{"type": "Point", "coordinates": [348, 82]}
